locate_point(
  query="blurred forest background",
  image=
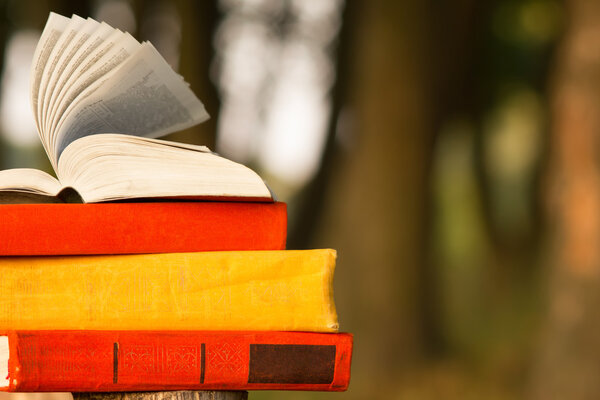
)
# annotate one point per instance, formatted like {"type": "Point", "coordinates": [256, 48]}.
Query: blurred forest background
{"type": "Point", "coordinates": [447, 149]}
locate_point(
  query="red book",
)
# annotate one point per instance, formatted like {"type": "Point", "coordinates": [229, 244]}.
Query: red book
{"type": "Point", "coordinates": [123, 228]}
{"type": "Point", "coordinates": [74, 361]}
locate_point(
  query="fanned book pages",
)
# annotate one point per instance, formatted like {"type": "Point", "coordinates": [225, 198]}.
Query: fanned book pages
{"type": "Point", "coordinates": [100, 99]}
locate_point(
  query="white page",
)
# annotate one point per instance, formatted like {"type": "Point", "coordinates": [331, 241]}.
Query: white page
{"type": "Point", "coordinates": [111, 167]}
{"type": "Point", "coordinates": [94, 46]}
{"type": "Point", "coordinates": [120, 51]}
{"type": "Point", "coordinates": [55, 26]}
{"type": "Point", "coordinates": [143, 97]}
{"type": "Point", "coordinates": [95, 57]}
{"type": "Point", "coordinates": [72, 46]}
{"type": "Point", "coordinates": [117, 53]}
{"type": "Point", "coordinates": [29, 180]}
{"type": "Point", "coordinates": [60, 46]}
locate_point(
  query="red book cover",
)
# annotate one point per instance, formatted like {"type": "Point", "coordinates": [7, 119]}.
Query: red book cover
{"type": "Point", "coordinates": [129, 228]}
{"type": "Point", "coordinates": [92, 361]}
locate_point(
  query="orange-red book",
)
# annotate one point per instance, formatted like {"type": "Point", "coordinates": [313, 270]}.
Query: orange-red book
{"type": "Point", "coordinates": [133, 228]}
{"type": "Point", "coordinates": [75, 361]}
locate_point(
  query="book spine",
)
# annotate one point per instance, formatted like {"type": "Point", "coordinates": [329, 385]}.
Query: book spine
{"type": "Point", "coordinates": [247, 290]}
{"type": "Point", "coordinates": [135, 228]}
{"type": "Point", "coordinates": [140, 360]}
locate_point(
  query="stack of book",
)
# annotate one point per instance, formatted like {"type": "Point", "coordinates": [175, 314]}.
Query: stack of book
{"type": "Point", "coordinates": [170, 272]}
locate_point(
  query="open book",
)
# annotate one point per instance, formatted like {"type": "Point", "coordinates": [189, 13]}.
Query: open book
{"type": "Point", "coordinates": [99, 99]}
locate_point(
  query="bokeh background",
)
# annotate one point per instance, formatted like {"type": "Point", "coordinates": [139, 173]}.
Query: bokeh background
{"type": "Point", "coordinates": [449, 150]}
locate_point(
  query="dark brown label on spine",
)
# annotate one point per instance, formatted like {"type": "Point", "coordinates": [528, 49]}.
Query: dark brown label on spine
{"type": "Point", "coordinates": [291, 363]}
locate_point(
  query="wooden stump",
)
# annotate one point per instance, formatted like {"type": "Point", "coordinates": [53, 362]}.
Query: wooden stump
{"type": "Point", "coordinates": [176, 395]}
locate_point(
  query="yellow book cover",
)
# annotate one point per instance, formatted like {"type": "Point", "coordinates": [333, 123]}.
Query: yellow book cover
{"type": "Point", "coordinates": [245, 290]}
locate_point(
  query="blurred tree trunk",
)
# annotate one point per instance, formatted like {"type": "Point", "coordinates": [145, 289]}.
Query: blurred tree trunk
{"type": "Point", "coordinates": [376, 210]}
{"type": "Point", "coordinates": [403, 67]}
{"type": "Point", "coordinates": [569, 362]}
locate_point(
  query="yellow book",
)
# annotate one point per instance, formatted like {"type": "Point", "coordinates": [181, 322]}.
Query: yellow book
{"type": "Point", "coordinates": [246, 290]}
